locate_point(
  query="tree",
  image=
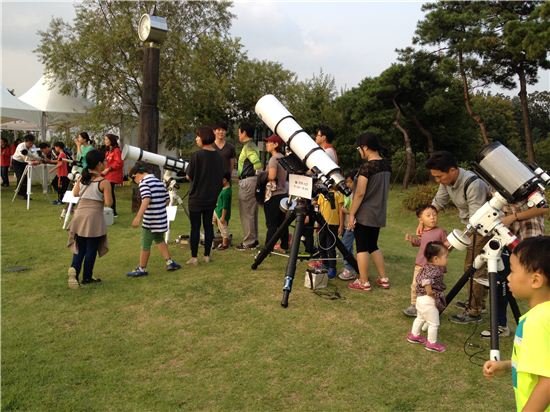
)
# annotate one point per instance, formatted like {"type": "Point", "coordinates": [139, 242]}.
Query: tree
{"type": "Point", "coordinates": [100, 55]}
{"type": "Point", "coordinates": [515, 43]}
{"type": "Point", "coordinates": [456, 26]}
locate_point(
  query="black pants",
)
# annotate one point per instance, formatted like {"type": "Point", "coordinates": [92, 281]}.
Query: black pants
{"type": "Point", "coordinates": [60, 184]}
{"type": "Point", "coordinates": [19, 169]}
{"type": "Point", "coordinates": [5, 177]}
{"type": "Point", "coordinates": [274, 217]}
{"type": "Point", "coordinates": [195, 218]}
{"type": "Point", "coordinates": [113, 206]}
{"type": "Point", "coordinates": [327, 245]}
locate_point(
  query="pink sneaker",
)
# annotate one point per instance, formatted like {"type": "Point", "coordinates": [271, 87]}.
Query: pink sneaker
{"type": "Point", "coordinates": [315, 264]}
{"type": "Point", "coordinates": [435, 347]}
{"type": "Point", "coordinates": [412, 338]}
{"type": "Point", "coordinates": [384, 283]}
{"type": "Point", "coordinates": [358, 285]}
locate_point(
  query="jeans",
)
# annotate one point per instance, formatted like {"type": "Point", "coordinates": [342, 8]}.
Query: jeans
{"type": "Point", "coordinates": [87, 252]}
{"type": "Point", "coordinates": [347, 239]}
{"type": "Point", "coordinates": [195, 218]}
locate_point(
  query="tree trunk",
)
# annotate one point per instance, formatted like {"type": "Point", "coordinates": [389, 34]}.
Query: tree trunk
{"type": "Point", "coordinates": [476, 117]}
{"type": "Point", "coordinates": [426, 133]}
{"type": "Point", "coordinates": [409, 169]}
{"type": "Point", "coordinates": [525, 116]}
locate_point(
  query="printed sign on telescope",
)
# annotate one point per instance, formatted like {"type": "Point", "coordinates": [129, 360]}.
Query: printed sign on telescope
{"type": "Point", "coordinates": [300, 186]}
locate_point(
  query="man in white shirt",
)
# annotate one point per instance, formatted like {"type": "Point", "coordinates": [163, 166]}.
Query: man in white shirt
{"type": "Point", "coordinates": [20, 161]}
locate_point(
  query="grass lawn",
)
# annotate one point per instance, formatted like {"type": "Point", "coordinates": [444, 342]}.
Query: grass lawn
{"type": "Point", "coordinates": [214, 337]}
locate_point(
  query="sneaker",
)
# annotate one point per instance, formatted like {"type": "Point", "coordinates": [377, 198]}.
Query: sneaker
{"type": "Point", "coordinates": [207, 259]}
{"type": "Point", "coordinates": [412, 338]}
{"type": "Point", "coordinates": [410, 311]}
{"type": "Point", "coordinates": [193, 261]}
{"type": "Point", "coordinates": [384, 283]}
{"type": "Point", "coordinates": [242, 246]}
{"type": "Point", "coordinates": [358, 285]}
{"type": "Point", "coordinates": [503, 331]}
{"type": "Point", "coordinates": [173, 266]}
{"type": "Point", "coordinates": [221, 246]}
{"type": "Point", "coordinates": [435, 347]}
{"type": "Point", "coordinates": [72, 280]}
{"type": "Point", "coordinates": [464, 305]}
{"type": "Point", "coordinates": [92, 280]}
{"type": "Point", "coordinates": [315, 264]}
{"type": "Point", "coordinates": [57, 203]}
{"type": "Point", "coordinates": [331, 273]}
{"type": "Point", "coordinates": [347, 275]}
{"type": "Point", "coordinates": [137, 273]}
{"type": "Point", "coordinates": [279, 249]}
{"type": "Point", "coordinates": [464, 318]}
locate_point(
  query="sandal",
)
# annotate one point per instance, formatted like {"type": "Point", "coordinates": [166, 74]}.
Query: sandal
{"type": "Point", "coordinates": [384, 283]}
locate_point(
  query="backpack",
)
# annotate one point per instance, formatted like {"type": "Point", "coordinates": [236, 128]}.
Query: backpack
{"type": "Point", "coordinates": [261, 182]}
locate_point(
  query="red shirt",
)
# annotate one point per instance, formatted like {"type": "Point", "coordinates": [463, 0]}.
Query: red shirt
{"type": "Point", "coordinates": [62, 169]}
{"type": "Point", "coordinates": [115, 165]}
{"type": "Point", "coordinates": [5, 155]}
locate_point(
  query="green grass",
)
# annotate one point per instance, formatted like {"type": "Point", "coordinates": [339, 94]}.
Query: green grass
{"type": "Point", "coordinates": [214, 337]}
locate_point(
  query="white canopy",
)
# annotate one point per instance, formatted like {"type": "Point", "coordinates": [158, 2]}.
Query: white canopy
{"type": "Point", "coordinates": [58, 107]}
{"type": "Point", "coordinates": [13, 108]}
{"type": "Point", "coordinates": [20, 125]}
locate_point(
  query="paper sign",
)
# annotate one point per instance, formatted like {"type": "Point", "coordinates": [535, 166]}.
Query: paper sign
{"type": "Point", "coordinates": [171, 212]}
{"type": "Point", "coordinates": [300, 185]}
{"type": "Point", "coordinates": [69, 198]}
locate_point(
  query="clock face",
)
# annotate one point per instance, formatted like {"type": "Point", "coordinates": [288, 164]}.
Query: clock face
{"type": "Point", "coordinates": [144, 27]}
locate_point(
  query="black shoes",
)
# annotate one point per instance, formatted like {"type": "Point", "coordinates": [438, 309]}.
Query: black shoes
{"type": "Point", "coordinates": [92, 280]}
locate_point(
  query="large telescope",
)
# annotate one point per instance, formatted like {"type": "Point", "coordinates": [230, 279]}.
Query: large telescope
{"type": "Point", "coordinates": [166, 162]}
{"type": "Point", "coordinates": [272, 112]}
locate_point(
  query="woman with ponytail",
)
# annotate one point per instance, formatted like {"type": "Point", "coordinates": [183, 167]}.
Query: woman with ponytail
{"type": "Point", "coordinates": [114, 164]}
{"type": "Point", "coordinates": [367, 213]}
{"type": "Point", "coordinates": [83, 146]}
{"type": "Point", "coordinates": [87, 230]}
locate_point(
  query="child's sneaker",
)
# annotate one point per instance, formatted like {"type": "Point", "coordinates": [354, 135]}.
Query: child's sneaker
{"type": "Point", "coordinates": [412, 338]}
{"type": "Point", "coordinates": [347, 275]}
{"type": "Point", "coordinates": [72, 280]}
{"type": "Point", "coordinates": [358, 285]}
{"type": "Point", "coordinates": [173, 266]}
{"type": "Point", "coordinates": [331, 273]}
{"type": "Point", "coordinates": [137, 273]}
{"type": "Point", "coordinates": [435, 347]}
{"type": "Point", "coordinates": [503, 331]}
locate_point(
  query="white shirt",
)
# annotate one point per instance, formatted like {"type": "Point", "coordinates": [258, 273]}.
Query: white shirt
{"type": "Point", "coordinates": [18, 156]}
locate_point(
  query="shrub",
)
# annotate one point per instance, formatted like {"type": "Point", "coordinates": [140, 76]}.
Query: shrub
{"type": "Point", "coordinates": [420, 195]}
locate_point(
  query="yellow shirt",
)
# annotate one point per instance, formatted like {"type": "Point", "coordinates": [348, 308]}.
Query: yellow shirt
{"type": "Point", "coordinates": [331, 216]}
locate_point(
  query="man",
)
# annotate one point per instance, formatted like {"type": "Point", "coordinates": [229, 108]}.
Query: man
{"type": "Point", "coordinates": [324, 138]}
{"type": "Point", "coordinates": [248, 164]}
{"type": "Point", "coordinates": [224, 148]}
{"type": "Point", "coordinates": [468, 193]}
{"type": "Point", "coordinates": [20, 161]}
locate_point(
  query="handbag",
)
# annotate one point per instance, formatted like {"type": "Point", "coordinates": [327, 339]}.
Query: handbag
{"type": "Point", "coordinates": [316, 279]}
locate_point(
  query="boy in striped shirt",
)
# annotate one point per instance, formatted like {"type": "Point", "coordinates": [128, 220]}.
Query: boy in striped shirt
{"type": "Point", "coordinates": [152, 214]}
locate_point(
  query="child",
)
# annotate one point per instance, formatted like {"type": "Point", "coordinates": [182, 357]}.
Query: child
{"type": "Point", "coordinates": [427, 217]}
{"type": "Point", "coordinates": [530, 279]}
{"type": "Point", "coordinates": [222, 213]}
{"type": "Point", "coordinates": [154, 199]}
{"type": "Point", "coordinates": [347, 235]}
{"type": "Point", "coordinates": [61, 181]}
{"type": "Point", "coordinates": [329, 207]}
{"type": "Point", "coordinates": [430, 298]}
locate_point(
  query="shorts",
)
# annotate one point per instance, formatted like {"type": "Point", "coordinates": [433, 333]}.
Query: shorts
{"type": "Point", "coordinates": [366, 238]}
{"type": "Point", "coordinates": [147, 238]}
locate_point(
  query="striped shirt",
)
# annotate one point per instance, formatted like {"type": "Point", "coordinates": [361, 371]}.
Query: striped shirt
{"type": "Point", "coordinates": [154, 218]}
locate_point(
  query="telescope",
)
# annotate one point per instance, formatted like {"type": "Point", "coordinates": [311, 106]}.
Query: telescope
{"type": "Point", "coordinates": [32, 154]}
{"type": "Point", "coordinates": [167, 162]}
{"type": "Point", "coordinates": [272, 112]}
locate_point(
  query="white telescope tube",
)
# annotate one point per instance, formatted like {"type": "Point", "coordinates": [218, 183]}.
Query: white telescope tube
{"type": "Point", "coordinates": [272, 112]}
{"type": "Point", "coordinates": [167, 162]}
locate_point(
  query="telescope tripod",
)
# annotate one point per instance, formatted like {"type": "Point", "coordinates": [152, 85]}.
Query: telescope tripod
{"type": "Point", "coordinates": [175, 200]}
{"type": "Point", "coordinates": [491, 256]}
{"type": "Point", "coordinates": [297, 213]}
{"type": "Point", "coordinates": [27, 174]}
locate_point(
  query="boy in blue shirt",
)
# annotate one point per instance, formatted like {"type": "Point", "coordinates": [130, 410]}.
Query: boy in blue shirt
{"type": "Point", "coordinates": [530, 364]}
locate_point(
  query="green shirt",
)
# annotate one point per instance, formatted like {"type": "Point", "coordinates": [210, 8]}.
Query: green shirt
{"type": "Point", "coordinates": [531, 353]}
{"type": "Point", "coordinates": [83, 152]}
{"type": "Point", "coordinates": [224, 202]}
{"type": "Point", "coordinates": [249, 160]}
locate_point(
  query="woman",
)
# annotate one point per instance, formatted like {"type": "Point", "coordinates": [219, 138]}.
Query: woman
{"type": "Point", "coordinates": [114, 165]}
{"type": "Point", "coordinates": [87, 230]}
{"type": "Point", "coordinates": [368, 210]}
{"type": "Point", "coordinates": [83, 146]}
{"type": "Point", "coordinates": [5, 159]}
{"type": "Point", "coordinates": [205, 171]}
{"type": "Point", "coordinates": [276, 189]}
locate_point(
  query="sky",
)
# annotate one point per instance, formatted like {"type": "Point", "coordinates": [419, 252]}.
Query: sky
{"type": "Point", "coordinates": [347, 40]}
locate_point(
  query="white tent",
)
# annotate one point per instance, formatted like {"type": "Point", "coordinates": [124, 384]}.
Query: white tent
{"type": "Point", "coordinates": [13, 108]}
{"type": "Point", "coordinates": [20, 125]}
